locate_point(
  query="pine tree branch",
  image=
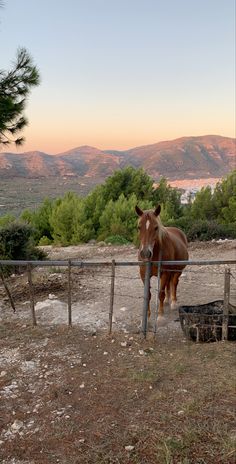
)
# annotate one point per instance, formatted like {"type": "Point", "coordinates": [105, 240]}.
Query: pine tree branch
{"type": "Point", "coordinates": [14, 87]}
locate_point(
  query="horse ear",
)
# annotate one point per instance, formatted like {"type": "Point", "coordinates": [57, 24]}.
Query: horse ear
{"type": "Point", "coordinates": [138, 211]}
{"type": "Point", "coordinates": [157, 210]}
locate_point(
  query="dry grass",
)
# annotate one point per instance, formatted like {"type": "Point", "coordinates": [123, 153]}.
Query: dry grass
{"type": "Point", "coordinates": [82, 399]}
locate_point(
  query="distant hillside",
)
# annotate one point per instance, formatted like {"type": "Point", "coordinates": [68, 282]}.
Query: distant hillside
{"type": "Point", "coordinates": [183, 158]}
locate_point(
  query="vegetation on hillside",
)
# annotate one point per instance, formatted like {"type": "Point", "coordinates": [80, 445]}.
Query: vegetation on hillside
{"type": "Point", "coordinates": [107, 213]}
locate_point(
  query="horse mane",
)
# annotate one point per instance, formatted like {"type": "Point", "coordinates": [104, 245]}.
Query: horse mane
{"type": "Point", "coordinates": [161, 230]}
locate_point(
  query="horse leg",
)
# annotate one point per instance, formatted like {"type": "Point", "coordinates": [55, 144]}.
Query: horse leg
{"type": "Point", "coordinates": [167, 293]}
{"type": "Point", "coordinates": [142, 275]}
{"type": "Point", "coordinates": [165, 280]}
{"type": "Point", "coordinates": [174, 284]}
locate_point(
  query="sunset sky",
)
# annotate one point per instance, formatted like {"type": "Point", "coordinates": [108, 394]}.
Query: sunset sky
{"type": "Point", "coordinates": [123, 73]}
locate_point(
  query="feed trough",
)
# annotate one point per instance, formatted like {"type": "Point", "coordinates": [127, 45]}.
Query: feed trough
{"type": "Point", "coordinates": [204, 322]}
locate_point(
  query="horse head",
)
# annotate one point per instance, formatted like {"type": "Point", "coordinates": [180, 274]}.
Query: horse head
{"type": "Point", "coordinates": [150, 229]}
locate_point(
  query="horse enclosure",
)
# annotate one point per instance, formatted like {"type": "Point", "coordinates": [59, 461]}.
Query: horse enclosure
{"type": "Point", "coordinates": [119, 280]}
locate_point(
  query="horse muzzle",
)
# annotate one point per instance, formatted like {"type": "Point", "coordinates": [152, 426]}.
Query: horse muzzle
{"type": "Point", "coordinates": [146, 253]}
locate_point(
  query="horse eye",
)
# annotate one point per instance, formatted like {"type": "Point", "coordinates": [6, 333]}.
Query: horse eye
{"type": "Point", "coordinates": [156, 227]}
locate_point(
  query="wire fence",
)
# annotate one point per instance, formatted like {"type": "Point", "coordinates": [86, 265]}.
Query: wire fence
{"type": "Point", "coordinates": [104, 275]}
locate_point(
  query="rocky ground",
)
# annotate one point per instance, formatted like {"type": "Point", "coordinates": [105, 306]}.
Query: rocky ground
{"type": "Point", "coordinates": [78, 396]}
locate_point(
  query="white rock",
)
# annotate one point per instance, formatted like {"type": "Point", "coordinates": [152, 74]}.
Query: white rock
{"type": "Point", "coordinates": [124, 344]}
{"type": "Point", "coordinates": [123, 308]}
{"type": "Point", "coordinates": [28, 365]}
{"type": "Point", "coordinates": [3, 373]}
{"type": "Point", "coordinates": [129, 448]}
{"type": "Point", "coordinates": [17, 425]}
{"type": "Point", "coordinates": [31, 422]}
{"type": "Point", "coordinates": [82, 385]}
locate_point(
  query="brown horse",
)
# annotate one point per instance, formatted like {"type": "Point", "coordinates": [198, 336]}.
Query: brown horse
{"type": "Point", "coordinates": [161, 243]}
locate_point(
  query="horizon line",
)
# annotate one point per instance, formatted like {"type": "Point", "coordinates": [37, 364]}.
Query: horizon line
{"type": "Point", "coordinates": [115, 149]}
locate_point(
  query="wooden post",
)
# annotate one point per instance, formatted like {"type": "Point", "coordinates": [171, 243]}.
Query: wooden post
{"type": "Point", "coordinates": [112, 295]}
{"type": "Point", "coordinates": [7, 290]}
{"type": "Point", "coordinates": [225, 319]}
{"type": "Point", "coordinates": [31, 292]}
{"type": "Point", "coordinates": [69, 294]}
{"type": "Point", "coordinates": [146, 298]}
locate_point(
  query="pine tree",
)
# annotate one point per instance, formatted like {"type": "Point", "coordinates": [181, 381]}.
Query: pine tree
{"type": "Point", "coordinates": [15, 86]}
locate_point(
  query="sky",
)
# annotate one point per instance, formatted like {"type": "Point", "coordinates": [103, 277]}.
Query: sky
{"type": "Point", "coordinates": [116, 74]}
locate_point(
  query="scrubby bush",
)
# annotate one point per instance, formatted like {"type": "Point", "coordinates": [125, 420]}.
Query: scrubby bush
{"type": "Point", "coordinates": [16, 243]}
{"type": "Point", "coordinates": [44, 241]}
{"type": "Point", "coordinates": [116, 240]}
{"type": "Point", "coordinates": [184, 223]}
{"type": "Point", "coordinates": [5, 220]}
{"type": "Point", "coordinates": [208, 230]}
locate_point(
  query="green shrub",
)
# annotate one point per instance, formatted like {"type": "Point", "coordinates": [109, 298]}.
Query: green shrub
{"type": "Point", "coordinates": [44, 241]}
{"type": "Point", "coordinates": [116, 240]}
{"type": "Point", "coordinates": [7, 219]}
{"type": "Point", "coordinates": [16, 243]}
{"type": "Point", "coordinates": [184, 223]}
{"type": "Point", "coordinates": [208, 230]}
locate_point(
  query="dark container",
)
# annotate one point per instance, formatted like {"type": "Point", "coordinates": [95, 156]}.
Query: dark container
{"type": "Point", "coordinates": [203, 323]}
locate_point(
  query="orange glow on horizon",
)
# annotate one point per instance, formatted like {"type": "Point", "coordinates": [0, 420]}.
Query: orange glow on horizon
{"type": "Point", "coordinates": [51, 146]}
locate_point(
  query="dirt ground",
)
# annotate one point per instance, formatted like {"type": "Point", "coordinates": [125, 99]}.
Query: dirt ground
{"type": "Point", "coordinates": [78, 396]}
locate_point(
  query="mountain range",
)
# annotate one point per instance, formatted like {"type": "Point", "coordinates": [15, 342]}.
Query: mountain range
{"type": "Point", "coordinates": [184, 158]}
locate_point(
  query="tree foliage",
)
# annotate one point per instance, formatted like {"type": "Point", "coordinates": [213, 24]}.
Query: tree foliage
{"type": "Point", "coordinates": [108, 211]}
{"type": "Point", "coordinates": [218, 205]}
{"type": "Point", "coordinates": [40, 220]}
{"type": "Point", "coordinates": [118, 217]}
{"type": "Point", "coordinates": [15, 86]}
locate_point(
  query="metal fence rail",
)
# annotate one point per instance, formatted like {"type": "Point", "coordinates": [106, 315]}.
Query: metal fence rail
{"type": "Point", "coordinates": [30, 265]}
{"type": "Point", "coordinates": [109, 263]}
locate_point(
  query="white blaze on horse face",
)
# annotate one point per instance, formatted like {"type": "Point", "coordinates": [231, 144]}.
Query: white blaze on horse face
{"type": "Point", "coordinates": [147, 224]}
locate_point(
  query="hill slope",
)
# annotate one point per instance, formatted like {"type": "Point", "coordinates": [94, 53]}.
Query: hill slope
{"type": "Point", "coordinates": [183, 158]}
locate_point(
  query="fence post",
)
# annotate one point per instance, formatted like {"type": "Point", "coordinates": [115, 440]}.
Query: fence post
{"type": "Point", "coordinates": [157, 294]}
{"type": "Point", "coordinates": [225, 319]}
{"type": "Point", "coordinates": [31, 292]}
{"type": "Point", "coordinates": [146, 298]}
{"type": "Point", "coordinates": [112, 295]}
{"type": "Point", "coordinates": [7, 290]}
{"type": "Point", "coordinates": [69, 294]}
